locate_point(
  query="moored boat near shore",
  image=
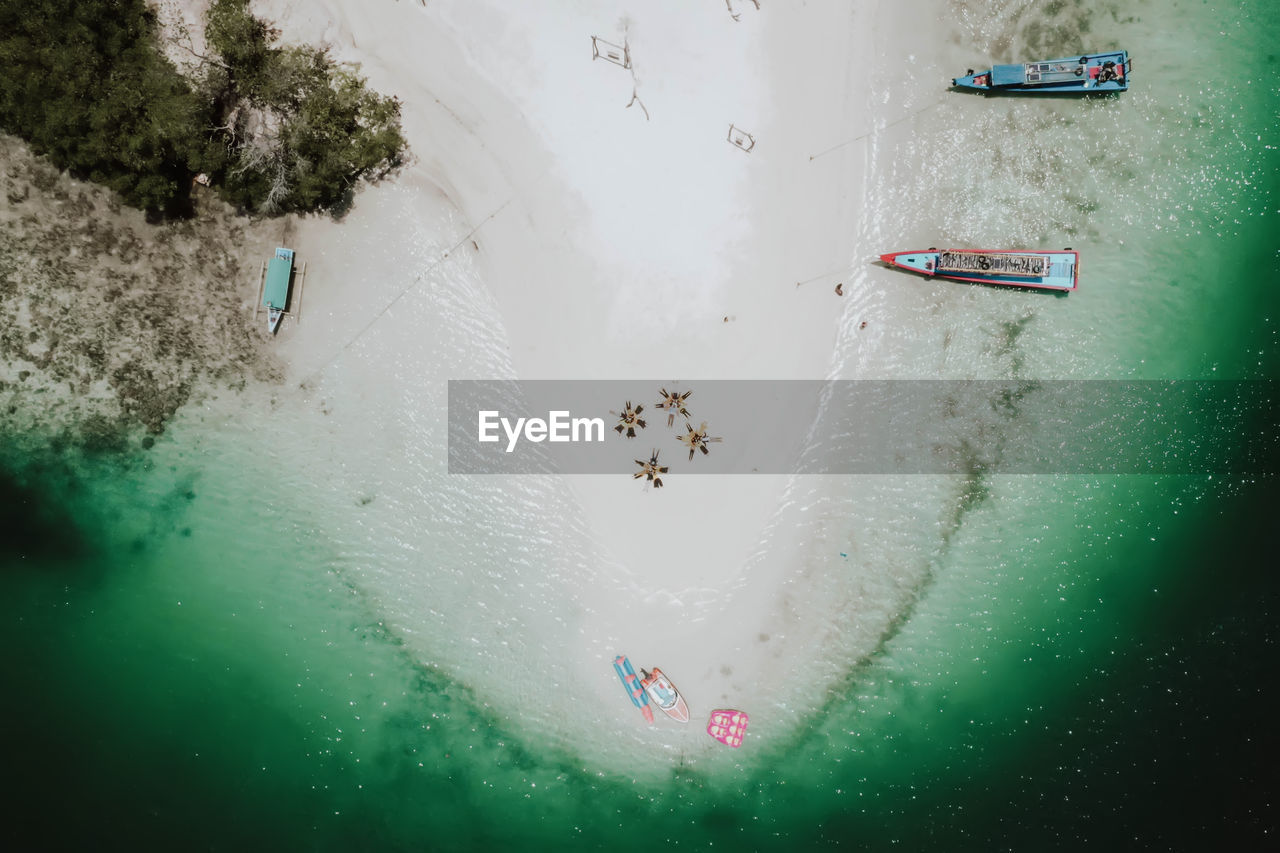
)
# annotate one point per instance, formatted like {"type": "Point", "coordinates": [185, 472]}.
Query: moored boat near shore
{"type": "Point", "coordinates": [1090, 73]}
{"type": "Point", "coordinates": [1009, 267]}
{"type": "Point", "coordinates": [275, 293]}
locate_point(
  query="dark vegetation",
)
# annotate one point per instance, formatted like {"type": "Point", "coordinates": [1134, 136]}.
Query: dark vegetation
{"type": "Point", "coordinates": [277, 129]}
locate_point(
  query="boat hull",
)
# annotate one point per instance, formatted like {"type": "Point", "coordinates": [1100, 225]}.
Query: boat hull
{"type": "Point", "coordinates": [1088, 74]}
{"type": "Point", "coordinates": [664, 694]}
{"type": "Point", "coordinates": [1022, 268]}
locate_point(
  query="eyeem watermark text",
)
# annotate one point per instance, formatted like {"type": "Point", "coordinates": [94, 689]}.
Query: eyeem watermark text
{"type": "Point", "coordinates": [558, 426]}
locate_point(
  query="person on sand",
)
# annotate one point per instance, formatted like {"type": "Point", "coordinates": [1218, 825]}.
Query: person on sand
{"type": "Point", "coordinates": [673, 402]}
{"type": "Point", "coordinates": [628, 419]}
{"type": "Point", "coordinates": [650, 471]}
{"type": "Point", "coordinates": [840, 289]}
{"type": "Point", "coordinates": [697, 439]}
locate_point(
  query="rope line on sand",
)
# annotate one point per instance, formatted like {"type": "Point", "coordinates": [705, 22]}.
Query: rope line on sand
{"type": "Point", "coordinates": [827, 274]}
{"type": "Point", "coordinates": [876, 130]}
{"type": "Point", "coordinates": [416, 281]}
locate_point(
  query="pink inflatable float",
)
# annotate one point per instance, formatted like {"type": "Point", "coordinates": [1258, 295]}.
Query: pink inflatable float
{"type": "Point", "coordinates": [728, 726]}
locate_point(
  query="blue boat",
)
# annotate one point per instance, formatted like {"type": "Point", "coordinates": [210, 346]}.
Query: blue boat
{"type": "Point", "coordinates": [1008, 267]}
{"type": "Point", "coordinates": [1092, 73]}
{"type": "Point", "coordinates": [275, 293]}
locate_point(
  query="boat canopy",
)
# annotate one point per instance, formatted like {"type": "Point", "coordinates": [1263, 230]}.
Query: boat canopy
{"type": "Point", "coordinates": [276, 292]}
{"type": "Point", "coordinates": [662, 691]}
{"type": "Point", "coordinates": [1008, 75]}
{"type": "Point", "coordinates": [992, 263]}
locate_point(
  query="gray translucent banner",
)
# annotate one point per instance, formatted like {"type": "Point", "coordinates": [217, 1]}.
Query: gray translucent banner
{"type": "Point", "coordinates": [867, 427]}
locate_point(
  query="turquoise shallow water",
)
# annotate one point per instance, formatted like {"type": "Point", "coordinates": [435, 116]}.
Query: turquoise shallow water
{"type": "Point", "coordinates": [1089, 665]}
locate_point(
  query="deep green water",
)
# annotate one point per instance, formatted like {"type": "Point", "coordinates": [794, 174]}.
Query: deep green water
{"type": "Point", "coordinates": [1120, 691]}
{"type": "Point", "coordinates": [1090, 667]}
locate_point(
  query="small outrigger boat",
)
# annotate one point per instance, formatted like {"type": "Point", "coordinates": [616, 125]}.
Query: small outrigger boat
{"type": "Point", "coordinates": [631, 682]}
{"type": "Point", "coordinates": [275, 294]}
{"type": "Point", "coordinates": [1009, 267]}
{"type": "Point", "coordinates": [664, 695]}
{"type": "Point", "coordinates": [1092, 73]}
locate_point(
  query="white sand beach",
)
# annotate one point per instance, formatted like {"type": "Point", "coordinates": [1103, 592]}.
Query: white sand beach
{"type": "Point", "coordinates": [611, 237]}
{"type": "Point", "coordinates": [620, 246]}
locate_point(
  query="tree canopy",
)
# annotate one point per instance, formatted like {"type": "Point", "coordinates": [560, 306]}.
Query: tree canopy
{"type": "Point", "coordinates": [86, 86]}
{"type": "Point", "coordinates": [276, 128]}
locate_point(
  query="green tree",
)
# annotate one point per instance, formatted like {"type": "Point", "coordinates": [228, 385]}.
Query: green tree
{"type": "Point", "coordinates": [280, 129]}
{"type": "Point", "coordinates": [305, 130]}
{"type": "Point", "coordinates": [86, 85]}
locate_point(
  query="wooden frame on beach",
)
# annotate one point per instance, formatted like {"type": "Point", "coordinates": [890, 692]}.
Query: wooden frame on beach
{"type": "Point", "coordinates": [611, 52]}
{"type": "Point", "coordinates": [739, 138]}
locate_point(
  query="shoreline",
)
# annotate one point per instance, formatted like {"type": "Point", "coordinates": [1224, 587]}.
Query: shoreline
{"type": "Point", "coordinates": [603, 261]}
{"type": "Point", "coordinates": [491, 217]}
{"type": "Point", "coordinates": [580, 296]}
